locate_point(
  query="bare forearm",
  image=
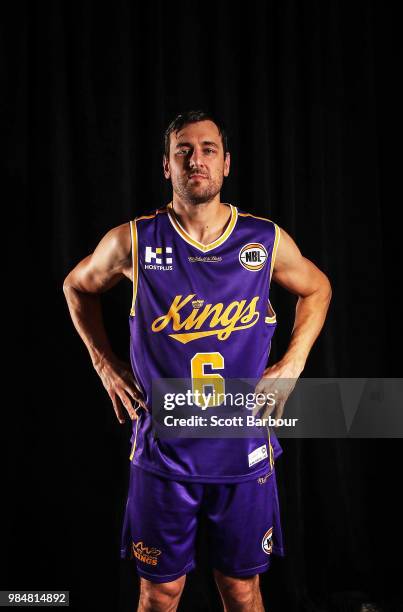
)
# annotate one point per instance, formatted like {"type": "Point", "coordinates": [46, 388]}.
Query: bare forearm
{"type": "Point", "coordinates": [310, 315]}
{"type": "Point", "coordinates": [86, 314]}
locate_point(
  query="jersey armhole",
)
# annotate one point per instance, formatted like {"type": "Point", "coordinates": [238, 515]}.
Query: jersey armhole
{"type": "Point", "coordinates": [275, 246]}
{"type": "Point", "coordinates": [134, 251]}
{"type": "Point", "coordinates": [271, 450]}
{"type": "Point", "coordinates": [271, 317]}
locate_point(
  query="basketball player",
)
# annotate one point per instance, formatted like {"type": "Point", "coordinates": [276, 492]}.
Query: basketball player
{"type": "Point", "coordinates": [201, 272]}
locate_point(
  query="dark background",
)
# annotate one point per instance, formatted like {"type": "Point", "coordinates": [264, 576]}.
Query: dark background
{"type": "Point", "coordinates": [304, 88]}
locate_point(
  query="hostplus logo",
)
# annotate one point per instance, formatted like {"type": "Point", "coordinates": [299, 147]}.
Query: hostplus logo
{"type": "Point", "coordinates": [160, 259]}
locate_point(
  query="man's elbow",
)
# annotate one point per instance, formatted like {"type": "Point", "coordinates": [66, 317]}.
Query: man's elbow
{"type": "Point", "coordinates": [68, 284]}
{"type": "Point", "coordinates": [326, 289]}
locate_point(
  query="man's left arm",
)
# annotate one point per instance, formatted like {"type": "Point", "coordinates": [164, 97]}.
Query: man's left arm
{"type": "Point", "coordinates": [301, 277]}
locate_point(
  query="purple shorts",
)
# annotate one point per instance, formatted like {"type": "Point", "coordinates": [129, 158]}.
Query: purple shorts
{"type": "Point", "coordinates": [161, 519]}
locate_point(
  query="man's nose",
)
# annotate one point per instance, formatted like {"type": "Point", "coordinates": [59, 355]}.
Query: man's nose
{"type": "Point", "coordinates": [196, 159]}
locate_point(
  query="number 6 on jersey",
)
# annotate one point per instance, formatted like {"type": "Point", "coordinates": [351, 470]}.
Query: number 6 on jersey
{"type": "Point", "coordinates": [201, 379]}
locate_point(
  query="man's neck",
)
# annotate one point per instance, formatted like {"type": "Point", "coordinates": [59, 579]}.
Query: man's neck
{"type": "Point", "coordinates": [203, 222]}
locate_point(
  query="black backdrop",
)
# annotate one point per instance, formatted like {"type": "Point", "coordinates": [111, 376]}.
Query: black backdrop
{"type": "Point", "coordinates": [90, 88]}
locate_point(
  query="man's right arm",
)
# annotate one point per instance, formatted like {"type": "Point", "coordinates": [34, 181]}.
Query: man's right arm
{"type": "Point", "coordinates": [105, 267]}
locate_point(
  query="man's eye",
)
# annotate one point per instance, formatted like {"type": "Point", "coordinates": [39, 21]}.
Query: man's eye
{"type": "Point", "coordinates": [186, 151]}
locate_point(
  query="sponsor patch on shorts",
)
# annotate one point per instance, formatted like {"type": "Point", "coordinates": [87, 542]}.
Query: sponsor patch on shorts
{"type": "Point", "coordinates": [257, 455]}
{"type": "Point", "coordinates": [267, 541]}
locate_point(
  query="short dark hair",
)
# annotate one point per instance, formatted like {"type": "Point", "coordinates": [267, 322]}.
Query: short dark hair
{"type": "Point", "coordinates": [193, 116]}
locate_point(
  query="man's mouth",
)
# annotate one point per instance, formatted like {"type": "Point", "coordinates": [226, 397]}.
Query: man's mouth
{"type": "Point", "coordinates": [197, 176]}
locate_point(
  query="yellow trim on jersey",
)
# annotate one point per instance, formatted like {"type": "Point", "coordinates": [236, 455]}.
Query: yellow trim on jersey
{"type": "Point", "coordinates": [254, 216]}
{"type": "Point", "coordinates": [133, 234]}
{"type": "Point", "coordinates": [276, 237]}
{"type": "Point", "coordinates": [271, 318]}
{"type": "Point", "coordinates": [134, 242]}
{"type": "Point", "coordinates": [203, 247]}
{"type": "Point", "coordinates": [157, 212]}
{"type": "Point", "coordinates": [275, 245]}
{"type": "Point", "coordinates": [135, 440]}
{"type": "Point", "coordinates": [271, 452]}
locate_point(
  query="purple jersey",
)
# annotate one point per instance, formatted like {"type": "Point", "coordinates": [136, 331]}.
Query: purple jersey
{"type": "Point", "coordinates": [198, 311]}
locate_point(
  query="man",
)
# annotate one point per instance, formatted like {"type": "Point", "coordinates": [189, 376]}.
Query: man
{"type": "Point", "coordinates": [201, 272]}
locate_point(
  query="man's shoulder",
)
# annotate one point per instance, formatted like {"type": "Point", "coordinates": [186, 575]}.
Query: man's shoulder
{"type": "Point", "coordinates": [150, 215]}
{"type": "Point", "coordinates": [255, 219]}
{"type": "Point", "coordinates": [118, 241]}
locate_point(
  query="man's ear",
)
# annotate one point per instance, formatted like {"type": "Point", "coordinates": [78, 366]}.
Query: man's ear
{"type": "Point", "coordinates": [227, 163]}
{"type": "Point", "coordinates": [165, 165]}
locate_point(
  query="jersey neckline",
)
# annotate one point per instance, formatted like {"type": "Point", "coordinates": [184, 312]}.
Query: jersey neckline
{"type": "Point", "coordinates": [198, 245]}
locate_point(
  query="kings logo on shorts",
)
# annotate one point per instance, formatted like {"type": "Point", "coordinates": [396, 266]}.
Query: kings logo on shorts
{"type": "Point", "coordinates": [145, 554]}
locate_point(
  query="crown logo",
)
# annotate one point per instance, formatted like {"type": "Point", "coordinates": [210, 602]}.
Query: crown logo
{"type": "Point", "coordinates": [141, 548]}
{"type": "Point", "coordinates": [197, 304]}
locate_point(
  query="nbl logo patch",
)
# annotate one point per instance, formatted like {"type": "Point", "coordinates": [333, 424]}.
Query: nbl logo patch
{"type": "Point", "coordinates": [253, 256]}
